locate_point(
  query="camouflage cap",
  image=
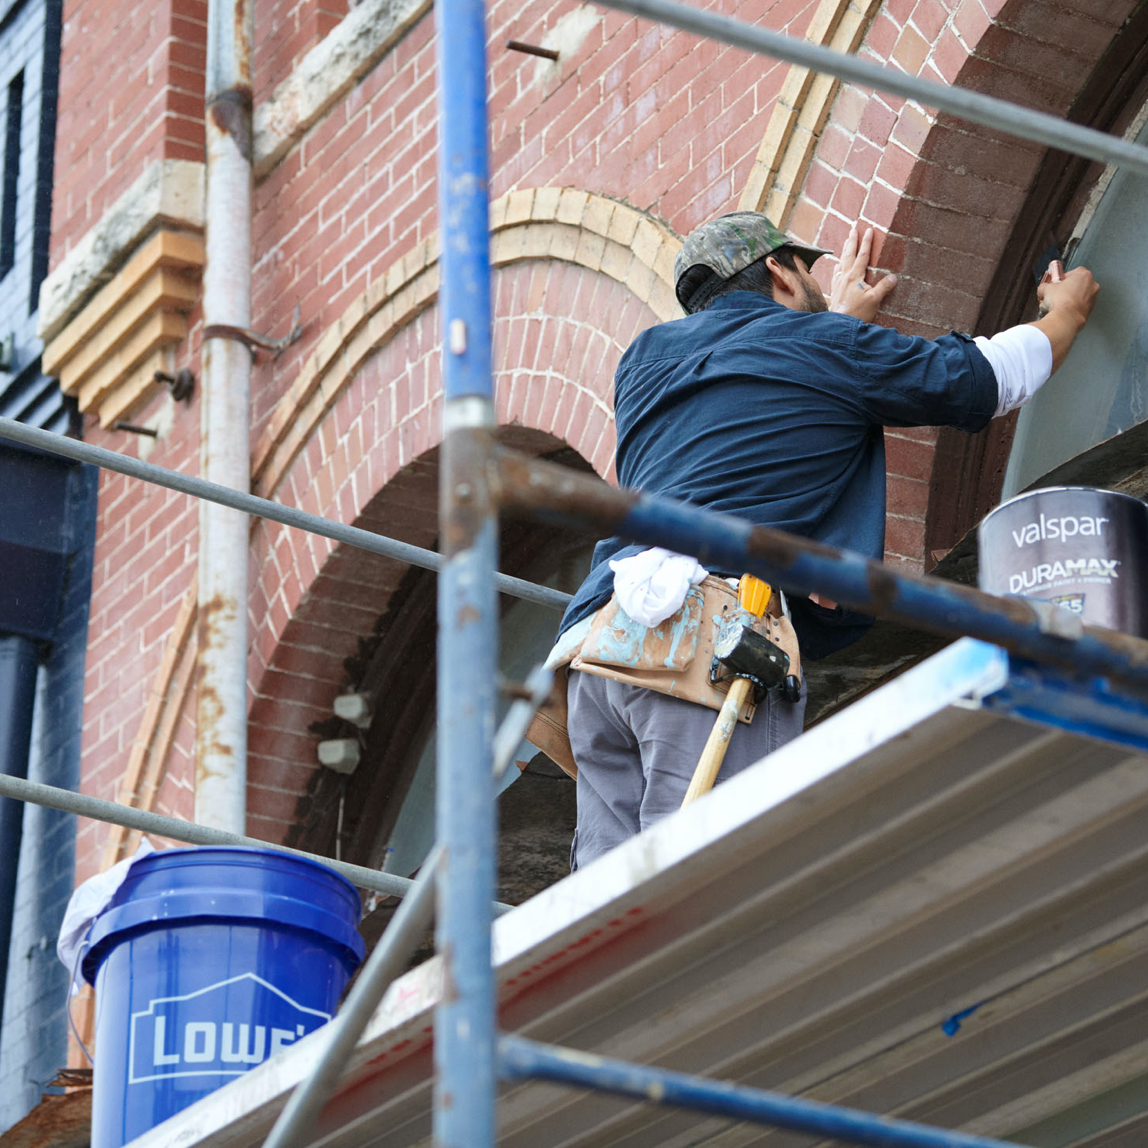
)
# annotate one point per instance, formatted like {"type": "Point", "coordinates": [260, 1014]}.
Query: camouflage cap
{"type": "Point", "coordinates": [718, 250]}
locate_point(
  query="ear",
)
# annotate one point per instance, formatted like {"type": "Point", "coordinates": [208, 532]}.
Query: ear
{"type": "Point", "coordinates": [787, 286]}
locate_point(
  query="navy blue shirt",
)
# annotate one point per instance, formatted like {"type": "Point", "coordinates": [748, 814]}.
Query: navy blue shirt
{"type": "Point", "coordinates": [776, 416]}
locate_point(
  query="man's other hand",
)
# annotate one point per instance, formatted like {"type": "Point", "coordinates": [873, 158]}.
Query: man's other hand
{"type": "Point", "coordinates": [850, 294]}
{"type": "Point", "coordinates": [1077, 291]}
{"type": "Point", "coordinates": [1066, 304]}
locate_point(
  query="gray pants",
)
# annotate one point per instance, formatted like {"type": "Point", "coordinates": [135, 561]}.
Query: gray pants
{"type": "Point", "coordinates": [636, 751]}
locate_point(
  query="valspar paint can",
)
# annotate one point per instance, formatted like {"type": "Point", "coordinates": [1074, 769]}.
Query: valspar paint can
{"type": "Point", "coordinates": [206, 963]}
{"type": "Point", "coordinates": [1084, 549]}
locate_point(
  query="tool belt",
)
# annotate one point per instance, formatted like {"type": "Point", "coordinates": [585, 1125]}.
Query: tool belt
{"type": "Point", "coordinates": [673, 658]}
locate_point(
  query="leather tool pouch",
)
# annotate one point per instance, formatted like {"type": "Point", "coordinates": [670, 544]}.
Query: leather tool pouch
{"type": "Point", "coordinates": [673, 658]}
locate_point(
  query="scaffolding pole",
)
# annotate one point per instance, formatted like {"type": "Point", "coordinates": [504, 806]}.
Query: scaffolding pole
{"type": "Point", "coordinates": [82, 805]}
{"type": "Point", "coordinates": [521, 1059]}
{"type": "Point", "coordinates": [1029, 628]}
{"type": "Point", "coordinates": [258, 507]}
{"type": "Point", "coordinates": [465, 814]}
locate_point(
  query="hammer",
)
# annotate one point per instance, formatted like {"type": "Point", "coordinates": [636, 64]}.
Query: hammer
{"type": "Point", "coordinates": [753, 661]}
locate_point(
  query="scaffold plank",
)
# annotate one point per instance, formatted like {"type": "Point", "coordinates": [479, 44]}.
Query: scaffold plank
{"type": "Point", "coordinates": [922, 908]}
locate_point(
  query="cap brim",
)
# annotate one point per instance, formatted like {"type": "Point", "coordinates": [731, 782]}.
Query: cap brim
{"type": "Point", "coordinates": [809, 254]}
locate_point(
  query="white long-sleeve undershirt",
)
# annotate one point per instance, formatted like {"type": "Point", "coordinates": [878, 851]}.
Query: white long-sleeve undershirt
{"type": "Point", "coordinates": [1021, 359]}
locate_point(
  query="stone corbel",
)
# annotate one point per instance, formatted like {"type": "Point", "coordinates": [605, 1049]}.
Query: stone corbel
{"type": "Point", "coordinates": [107, 355]}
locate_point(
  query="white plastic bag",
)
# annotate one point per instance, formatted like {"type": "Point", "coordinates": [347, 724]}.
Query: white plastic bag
{"type": "Point", "coordinates": [87, 902]}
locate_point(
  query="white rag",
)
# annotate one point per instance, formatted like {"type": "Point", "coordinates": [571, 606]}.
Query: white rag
{"type": "Point", "coordinates": [653, 585]}
{"type": "Point", "coordinates": [87, 902]}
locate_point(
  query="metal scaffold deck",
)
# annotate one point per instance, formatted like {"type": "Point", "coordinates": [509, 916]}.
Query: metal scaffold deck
{"type": "Point", "coordinates": [949, 925]}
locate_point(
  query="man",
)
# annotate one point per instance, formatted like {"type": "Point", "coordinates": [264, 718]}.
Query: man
{"type": "Point", "coordinates": [766, 402]}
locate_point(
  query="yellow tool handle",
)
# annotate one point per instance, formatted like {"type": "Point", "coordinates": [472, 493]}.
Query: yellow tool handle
{"type": "Point", "coordinates": [705, 774]}
{"type": "Point", "coordinates": [753, 594]}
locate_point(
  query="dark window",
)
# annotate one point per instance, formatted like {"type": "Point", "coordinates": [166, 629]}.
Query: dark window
{"type": "Point", "coordinates": [49, 96]}
{"type": "Point", "coordinates": [11, 174]}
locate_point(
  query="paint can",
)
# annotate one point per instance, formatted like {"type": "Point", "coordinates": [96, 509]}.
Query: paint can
{"type": "Point", "coordinates": [206, 963]}
{"type": "Point", "coordinates": [1081, 548]}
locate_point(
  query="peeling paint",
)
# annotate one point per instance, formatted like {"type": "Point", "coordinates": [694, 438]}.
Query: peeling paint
{"type": "Point", "coordinates": [684, 632]}
{"type": "Point", "coordinates": [882, 587]}
{"type": "Point", "coordinates": [450, 992]}
{"type": "Point", "coordinates": [213, 756]}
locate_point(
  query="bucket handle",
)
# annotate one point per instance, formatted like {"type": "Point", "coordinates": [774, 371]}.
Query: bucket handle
{"type": "Point", "coordinates": [81, 951]}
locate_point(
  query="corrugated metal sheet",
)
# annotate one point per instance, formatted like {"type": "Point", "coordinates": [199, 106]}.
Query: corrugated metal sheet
{"type": "Point", "coordinates": [920, 907]}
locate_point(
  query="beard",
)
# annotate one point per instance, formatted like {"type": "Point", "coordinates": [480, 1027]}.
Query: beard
{"type": "Point", "coordinates": [813, 300]}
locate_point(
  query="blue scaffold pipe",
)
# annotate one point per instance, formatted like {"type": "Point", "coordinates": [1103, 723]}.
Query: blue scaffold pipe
{"type": "Point", "coordinates": [558, 494]}
{"type": "Point", "coordinates": [522, 1059]}
{"type": "Point", "coordinates": [464, 1089]}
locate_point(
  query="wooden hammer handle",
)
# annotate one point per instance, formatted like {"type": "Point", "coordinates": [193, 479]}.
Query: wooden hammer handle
{"type": "Point", "coordinates": [706, 771]}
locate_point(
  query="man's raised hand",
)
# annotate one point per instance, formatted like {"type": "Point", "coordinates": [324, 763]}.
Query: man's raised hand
{"type": "Point", "coordinates": [850, 294]}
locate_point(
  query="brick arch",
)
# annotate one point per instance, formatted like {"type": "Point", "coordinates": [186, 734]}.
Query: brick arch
{"type": "Point", "coordinates": [563, 226]}
{"type": "Point", "coordinates": [372, 461]}
{"type": "Point", "coordinates": [944, 196]}
{"type": "Point", "coordinates": [578, 227]}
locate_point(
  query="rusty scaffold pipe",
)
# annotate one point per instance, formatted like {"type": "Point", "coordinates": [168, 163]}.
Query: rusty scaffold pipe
{"type": "Point", "coordinates": [1030, 629]}
{"type": "Point", "coordinates": [225, 453]}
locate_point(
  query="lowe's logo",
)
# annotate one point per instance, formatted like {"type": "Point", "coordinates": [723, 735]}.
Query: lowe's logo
{"type": "Point", "coordinates": [201, 1034]}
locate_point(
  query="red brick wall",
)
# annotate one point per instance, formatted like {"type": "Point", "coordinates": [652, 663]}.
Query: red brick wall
{"type": "Point", "coordinates": [131, 91]}
{"type": "Point", "coordinates": [287, 30]}
{"type": "Point", "coordinates": [144, 561]}
{"type": "Point", "coordinates": [634, 112]}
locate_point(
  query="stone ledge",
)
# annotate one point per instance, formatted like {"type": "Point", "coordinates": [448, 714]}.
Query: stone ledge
{"type": "Point", "coordinates": [327, 73]}
{"type": "Point", "coordinates": [169, 193]}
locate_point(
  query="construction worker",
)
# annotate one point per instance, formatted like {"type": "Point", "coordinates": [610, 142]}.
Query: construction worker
{"type": "Point", "coordinates": [767, 402]}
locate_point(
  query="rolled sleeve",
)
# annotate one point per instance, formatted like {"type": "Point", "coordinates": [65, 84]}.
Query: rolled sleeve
{"type": "Point", "coordinates": [925, 382]}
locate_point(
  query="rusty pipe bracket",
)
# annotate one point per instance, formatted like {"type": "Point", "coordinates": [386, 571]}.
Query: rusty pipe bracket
{"type": "Point", "coordinates": [181, 384]}
{"type": "Point", "coordinates": [252, 340]}
{"type": "Point", "coordinates": [132, 428]}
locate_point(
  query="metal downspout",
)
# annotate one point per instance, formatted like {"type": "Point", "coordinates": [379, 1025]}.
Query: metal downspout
{"type": "Point", "coordinates": [18, 661]}
{"type": "Point", "coordinates": [225, 455]}
{"type": "Point", "coordinates": [464, 1050]}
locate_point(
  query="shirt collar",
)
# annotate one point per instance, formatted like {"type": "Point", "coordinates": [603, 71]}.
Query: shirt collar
{"type": "Point", "coordinates": [744, 301]}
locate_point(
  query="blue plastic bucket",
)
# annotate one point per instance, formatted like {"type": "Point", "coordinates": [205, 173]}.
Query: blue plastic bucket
{"type": "Point", "coordinates": [206, 963]}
